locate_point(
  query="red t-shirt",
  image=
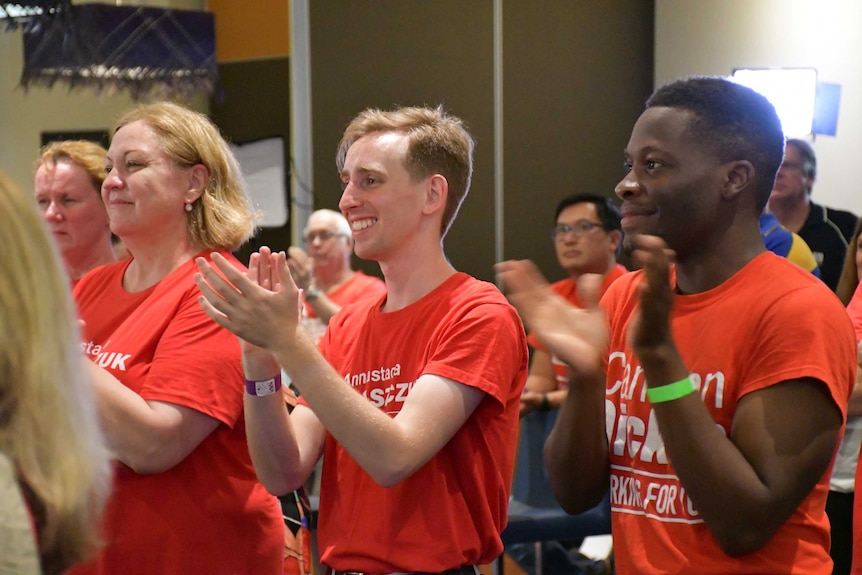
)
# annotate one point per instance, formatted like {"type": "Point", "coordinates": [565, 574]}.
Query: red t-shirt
{"type": "Point", "coordinates": [452, 510]}
{"type": "Point", "coordinates": [359, 286]}
{"type": "Point", "coordinates": [208, 514]}
{"type": "Point", "coordinates": [568, 289]}
{"type": "Point", "coordinates": [770, 322]}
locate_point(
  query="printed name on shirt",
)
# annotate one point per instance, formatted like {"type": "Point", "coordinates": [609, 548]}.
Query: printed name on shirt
{"type": "Point", "coordinates": [114, 361]}
{"type": "Point", "coordinates": [381, 396]}
{"type": "Point", "coordinates": [636, 491]}
{"type": "Point", "coordinates": [654, 495]}
{"type": "Point", "coordinates": [90, 348]}
{"type": "Point", "coordinates": [373, 375]}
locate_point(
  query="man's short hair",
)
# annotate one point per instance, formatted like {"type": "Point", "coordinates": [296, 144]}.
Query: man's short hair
{"type": "Point", "coordinates": [809, 159]}
{"type": "Point", "coordinates": [438, 143]}
{"type": "Point", "coordinates": [607, 211]}
{"type": "Point", "coordinates": [734, 120]}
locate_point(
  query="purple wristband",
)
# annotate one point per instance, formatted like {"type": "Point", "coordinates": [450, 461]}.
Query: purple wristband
{"type": "Point", "coordinates": [263, 387]}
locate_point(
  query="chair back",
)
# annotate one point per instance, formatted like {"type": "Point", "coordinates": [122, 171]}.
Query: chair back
{"type": "Point", "coordinates": [531, 484]}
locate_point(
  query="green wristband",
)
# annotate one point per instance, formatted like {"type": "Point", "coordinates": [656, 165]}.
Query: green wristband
{"type": "Point", "coordinates": [670, 391]}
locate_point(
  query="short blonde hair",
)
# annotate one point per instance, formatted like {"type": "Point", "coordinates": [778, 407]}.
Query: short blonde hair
{"type": "Point", "coordinates": [48, 423]}
{"type": "Point", "coordinates": [89, 155]}
{"type": "Point", "coordinates": [438, 143]}
{"type": "Point", "coordinates": [223, 217]}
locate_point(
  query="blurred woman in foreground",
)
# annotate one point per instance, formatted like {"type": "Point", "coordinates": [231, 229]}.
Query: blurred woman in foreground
{"type": "Point", "coordinates": [54, 468]}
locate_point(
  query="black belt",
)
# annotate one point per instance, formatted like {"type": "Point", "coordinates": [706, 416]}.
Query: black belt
{"type": "Point", "coordinates": [466, 570]}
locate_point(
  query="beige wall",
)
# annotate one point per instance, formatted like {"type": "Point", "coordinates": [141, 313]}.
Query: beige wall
{"type": "Point", "coordinates": [715, 36]}
{"type": "Point", "coordinates": [24, 116]}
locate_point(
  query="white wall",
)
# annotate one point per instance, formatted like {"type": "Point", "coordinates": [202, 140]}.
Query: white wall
{"type": "Point", "coordinates": [715, 36]}
{"type": "Point", "coordinates": [24, 116]}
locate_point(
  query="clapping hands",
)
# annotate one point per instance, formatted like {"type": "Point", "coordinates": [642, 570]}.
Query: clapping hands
{"type": "Point", "coordinates": [260, 307]}
{"type": "Point", "coordinates": [576, 336]}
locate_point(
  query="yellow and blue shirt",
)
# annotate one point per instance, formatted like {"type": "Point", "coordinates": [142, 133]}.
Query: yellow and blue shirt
{"type": "Point", "coordinates": [781, 241]}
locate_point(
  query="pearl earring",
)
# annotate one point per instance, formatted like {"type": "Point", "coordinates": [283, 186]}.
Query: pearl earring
{"type": "Point", "coordinates": [189, 207]}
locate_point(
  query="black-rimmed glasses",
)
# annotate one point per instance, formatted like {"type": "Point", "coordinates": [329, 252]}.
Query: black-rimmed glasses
{"type": "Point", "coordinates": [578, 228]}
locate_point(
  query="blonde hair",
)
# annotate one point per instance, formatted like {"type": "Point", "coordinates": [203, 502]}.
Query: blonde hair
{"type": "Point", "coordinates": [438, 143]}
{"type": "Point", "coordinates": [48, 422]}
{"type": "Point", "coordinates": [222, 218]}
{"type": "Point", "coordinates": [89, 155]}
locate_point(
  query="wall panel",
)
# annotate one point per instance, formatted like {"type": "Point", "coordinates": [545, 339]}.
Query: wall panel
{"type": "Point", "coordinates": [575, 80]}
{"type": "Point", "coordinates": [389, 52]}
{"type": "Point", "coordinates": [575, 75]}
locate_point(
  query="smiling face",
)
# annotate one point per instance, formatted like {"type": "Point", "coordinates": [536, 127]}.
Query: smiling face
{"type": "Point", "coordinates": [590, 251]}
{"type": "Point", "coordinates": [70, 204]}
{"type": "Point", "coordinates": [145, 191]}
{"type": "Point", "coordinates": [673, 185]}
{"type": "Point", "coordinates": [383, 205]}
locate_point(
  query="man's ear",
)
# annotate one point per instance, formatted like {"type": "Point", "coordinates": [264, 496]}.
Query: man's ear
{"type": "Point", "coordinates": [198, 178]}
{"type": "Point", "coordinates": [809, 182]}
{"type": "Point", "coordinates": [739, 176]}
{"type": "Point", "coordinates": [436, 192]}
{"type": "Point", "coordinates": [616, 239]}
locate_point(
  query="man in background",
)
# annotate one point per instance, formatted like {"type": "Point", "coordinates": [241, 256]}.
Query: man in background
{"type": "Point", "coordinates": [324, 272]}
{"type": "Point", "coordinates": [587, 238]}
{"type": "Point", "coordinates": [825, 230]}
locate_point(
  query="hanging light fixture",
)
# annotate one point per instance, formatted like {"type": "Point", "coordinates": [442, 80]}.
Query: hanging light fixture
{"type": "Point", "coordinates": [21, 14]}
{"type": "Point", "coordinates": [149, 52]}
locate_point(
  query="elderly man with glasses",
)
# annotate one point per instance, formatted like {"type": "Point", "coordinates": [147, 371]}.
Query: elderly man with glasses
{"type": "Point", "coordinates": [323, 271]}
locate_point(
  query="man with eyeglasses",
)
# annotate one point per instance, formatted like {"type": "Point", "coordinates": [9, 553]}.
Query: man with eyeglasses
{"type": "Point", "coordinates": [826, 231]}
{"type": "Point", "coordinates": [587, 238]}
{"type": "Point", "coordinates": [324, 273]}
